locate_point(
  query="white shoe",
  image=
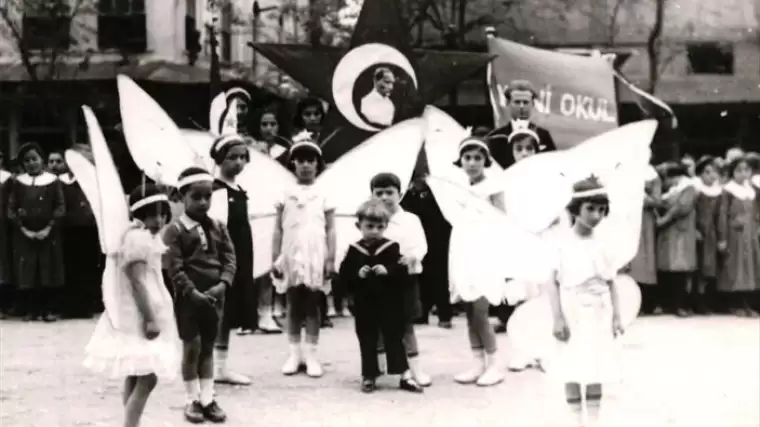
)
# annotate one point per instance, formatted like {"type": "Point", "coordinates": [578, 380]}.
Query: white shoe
{"type": "Point", "coordinates": [232, 378]}
{"type": "Point", "coordinates": [471, 375]}
{"type": "Point", "coordinates": [492, 375]}
{"type": "Point", "coordinates": [269, 326]}
{"type": "Point", "coordinates": [294, 361]}
{"type": "Point", "coordinates": [419, 375]}
{"type": "Point", "coordinates": [313, 367]}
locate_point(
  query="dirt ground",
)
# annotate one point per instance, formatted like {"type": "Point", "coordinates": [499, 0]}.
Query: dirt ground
{"type": "Point", "coordinates": [702, 371]}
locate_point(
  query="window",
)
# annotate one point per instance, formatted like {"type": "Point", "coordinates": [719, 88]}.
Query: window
{"type": "Point", "coordinates": [225, 36]}
{"type": "Point", "coordinates": [122, 26]}
{"type": "Point", "coordinates": [47, 24]}
{"type": "Point", "coordinates": [44, 124]}
{"type": "Point", "coordinates": [711, 58]}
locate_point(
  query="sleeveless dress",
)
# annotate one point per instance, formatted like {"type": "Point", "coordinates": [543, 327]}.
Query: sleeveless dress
{"type": "Point", "coordinates": [125, 351]}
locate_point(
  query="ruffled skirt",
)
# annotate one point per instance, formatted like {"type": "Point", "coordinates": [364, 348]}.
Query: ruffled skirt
{"type": "Point", "coordinates": [119, 354]}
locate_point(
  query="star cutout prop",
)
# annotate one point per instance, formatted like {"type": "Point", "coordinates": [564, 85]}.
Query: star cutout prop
{"type": "Point", "coordinates": [379, 81]}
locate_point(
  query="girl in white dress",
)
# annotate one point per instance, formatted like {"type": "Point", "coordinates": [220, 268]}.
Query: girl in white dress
{"type": "Point", "coordinates": [145, 345]}
{"type": "Point", "coordinates": [474, 289]}
{"type": "Point", "coordinates": [585, 304]}
{"type": "Point", "coordinates": [303, 251]}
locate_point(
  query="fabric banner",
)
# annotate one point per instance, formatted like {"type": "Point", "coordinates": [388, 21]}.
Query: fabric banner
{"type": "Point", "coordinates": [576, 94]}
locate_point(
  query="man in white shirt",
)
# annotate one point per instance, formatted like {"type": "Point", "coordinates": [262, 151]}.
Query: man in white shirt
{"type": "Point", "coordinates": [377, 106]}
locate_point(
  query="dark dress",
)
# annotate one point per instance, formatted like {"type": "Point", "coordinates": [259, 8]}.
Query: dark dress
{"type": "Point", "coordinates": [241, 302]}
{"type": "Point", "coordinates": [738, 227]}
{"type": "Point", "coordinates": [35, 203]}
{"type": "Point", "coordinates": [707, 248]}
{"type": "Point", "coordinates": [379, 303]}
{"type": "Point", "coordinates": [82, 255]}
{"type": "Point", "coordinates": [5, 262]}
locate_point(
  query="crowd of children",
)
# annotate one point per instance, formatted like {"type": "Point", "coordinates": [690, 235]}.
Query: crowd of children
{"type": "Point", "coordinates": [699, 250]}
{"type": "Point", "coordinates": [50, 261]}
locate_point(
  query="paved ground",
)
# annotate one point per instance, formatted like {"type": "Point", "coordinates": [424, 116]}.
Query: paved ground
{"type": "Point", "coordinates": [692, 372]}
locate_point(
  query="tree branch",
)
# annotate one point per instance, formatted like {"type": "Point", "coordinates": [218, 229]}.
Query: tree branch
{"type": "Point", "coordinates": [654, 44]}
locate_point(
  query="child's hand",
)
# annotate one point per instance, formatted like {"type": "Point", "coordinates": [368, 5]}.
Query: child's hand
{"type": "Point", "coordinates": [28, 234]}
{"type": "Point", "coordinates": [364, 271]}
{"type": "Point", "coordinates": [329, 268]}
{"type": "Point", "coordinates": [151, 329]}
{"type": "Point", "coordinates": [44, 233]}
{"type": "Point", "coordinates": [216, 293]}
{"type": "Point", "coordinates": [617, 326]}
{"type": "Point", "coordinates": [406, 260]}
{"type": "Point", "coordinates": [561, 331]}
{"type": "Point", "coordinates": [199, 298]}
{"type": "Point", "coordinates": [380, 270]}
{"type": "Point", "coordinates": [722, 246]}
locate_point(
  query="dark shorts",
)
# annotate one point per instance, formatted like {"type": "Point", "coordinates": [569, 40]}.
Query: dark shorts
{"type": "Point", "coordinates": [195, 320]}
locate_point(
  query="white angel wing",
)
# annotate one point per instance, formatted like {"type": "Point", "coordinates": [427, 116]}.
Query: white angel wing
{"type": "Point", "coordinates": [114, 213]}
{"type": "Point", "coordinates": [218, 105]}
{"type": "Point", "coordinates": [200, 142]}
{"type": "Point", "coordinates": [265, 181]}
{"type": "Point", "coordinates": [442, 137]}
{"type": "Point", "coordinates": [87, 177]}
{"type": "Point", "coordinates": [153, 139]}
{"type": "Point", "coordinates": [486, 246]}
{"type": "Point", "coordinates": [346, 182]}
{"type": "Point", "coordinates": [537, 189]}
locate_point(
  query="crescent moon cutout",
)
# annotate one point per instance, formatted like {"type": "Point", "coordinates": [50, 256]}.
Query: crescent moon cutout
{"type": "Point", "coordinates": [352, 65]}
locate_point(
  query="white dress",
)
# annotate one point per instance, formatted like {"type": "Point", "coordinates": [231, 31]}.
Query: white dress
{"type": "Point", "coordinates": [304, 240]}
{"type": "Point", "coordinates": [591, 355]}
{"type": "Point", "coordinates": [475, 263]}
{"type": "Point", "coordinates": [125, 351]}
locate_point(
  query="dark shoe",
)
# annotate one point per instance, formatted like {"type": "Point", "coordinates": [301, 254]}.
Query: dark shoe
{"type": "Point", "coordinates": [682, 313]}
{"type": "Point", "coordinates": [445, 324]}
{"type": "Point", "coordinates": [50, 318]}
{"type": "Point", "coordinates": [501, 328]}
{"type": "Point", "coordinates": [410, 385]}
{"type": "Point", "coordinates": [368, 385]}
{"type": "Point", "coordinates": [30, 317]}
{"type": "Point", "coordinates": [422, 321]}
{"type": "Point", "coordinates": [214, 413]}
{"type": "Point", "coordinates": [194, 413]}
{"type": "Point", "coordinates": [327, 323]}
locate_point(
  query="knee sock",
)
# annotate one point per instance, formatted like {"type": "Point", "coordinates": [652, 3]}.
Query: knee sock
{"type": "Point", "coordinates": [192, 390]}
{"type": "Point", "coordinates": [206, 391]}
{"type": "Point", "coordinates": [220, 359]}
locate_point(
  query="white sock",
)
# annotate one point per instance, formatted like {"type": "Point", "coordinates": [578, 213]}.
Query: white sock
{"type": "Point", "coordinates": [192, 390]}
{"type": "Point", "coordinates": [220, 360]}
{"type": "Point", "coordinates": [207, 391]}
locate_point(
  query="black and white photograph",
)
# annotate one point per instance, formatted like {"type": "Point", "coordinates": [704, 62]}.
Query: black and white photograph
{"type": "Point", "coordinates": [342, 213]}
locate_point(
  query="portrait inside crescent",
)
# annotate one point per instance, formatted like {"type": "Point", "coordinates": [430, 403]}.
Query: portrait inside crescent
{"type": "Point", "coordinates": [379, 93]}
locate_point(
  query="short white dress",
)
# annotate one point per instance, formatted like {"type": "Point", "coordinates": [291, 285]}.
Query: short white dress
{"type": "Point", "coordinates": [124, 351]}
{"type": "Point", "coordinates": [304, 239]}
{"type": "Point", "coordinates": [591, 355]}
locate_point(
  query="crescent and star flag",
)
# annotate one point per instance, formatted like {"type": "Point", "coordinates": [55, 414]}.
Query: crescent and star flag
{"type": "Point", "coordinates": [576, 93]}
{"type": "Point", "coordinates": [379, 81]}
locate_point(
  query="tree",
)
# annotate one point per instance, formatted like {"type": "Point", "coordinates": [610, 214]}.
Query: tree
{"type": "Point", "coordinates": [46, 34]}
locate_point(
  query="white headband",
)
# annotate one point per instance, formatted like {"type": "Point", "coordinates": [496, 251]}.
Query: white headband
{"type": "Point", "coordinates": [226, 140]}
{"type": "Point", "coordinates": [148, 200]}
{"type": "Point", "coordinates": [191, 179]}
{"type": "Point", "coordinates": [304, 144]}
{"type": "Point", "coordinates": [473, 142]}
{"type": "Point", "coordinates": [519, 132]}
{"type": "Point", "coordinates": [236, 91]}
{"type": "Point", "coordinates": [590, 193]}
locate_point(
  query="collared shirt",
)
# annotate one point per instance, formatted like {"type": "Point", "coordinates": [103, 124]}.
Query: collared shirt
{"type": "Point", "coordinates": [377, 108]}
{"type": "Point", "coordinates": [406, 229]}
{"type": "Point", "coordinates": [198, 257]}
